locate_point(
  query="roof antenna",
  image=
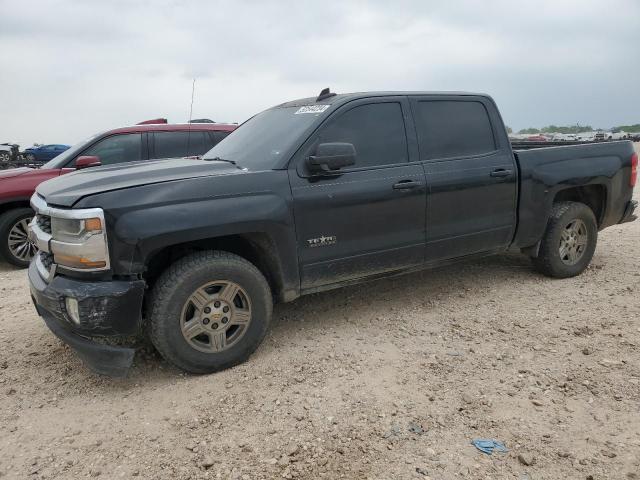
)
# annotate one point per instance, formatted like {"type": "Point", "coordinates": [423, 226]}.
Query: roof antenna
{"type": "Point", "coordinates": [193, 90]}
{"type": "Point", "coordinates": [325, 93]}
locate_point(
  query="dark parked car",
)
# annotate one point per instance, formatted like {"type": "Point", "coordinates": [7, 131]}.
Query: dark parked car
{"type": "Point", "coordinates": [140, 142]}
{"type": "Point", "coordinates": [43, 153]}
{"type": "Point", "coordinates": [306, 196]}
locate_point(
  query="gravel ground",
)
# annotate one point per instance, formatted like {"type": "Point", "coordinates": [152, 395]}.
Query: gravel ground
{"type": "Point", "coordinates": [391, 379]}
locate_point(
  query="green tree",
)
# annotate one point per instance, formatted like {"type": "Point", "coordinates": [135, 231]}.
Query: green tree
{"type": "Point", "coordinates": [629, 128]}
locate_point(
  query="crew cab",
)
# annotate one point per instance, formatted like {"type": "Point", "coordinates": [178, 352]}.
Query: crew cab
{"type": "Point", "coordinates": [139, 142]}
{"type": "Point", "coordinates": [306, 196]}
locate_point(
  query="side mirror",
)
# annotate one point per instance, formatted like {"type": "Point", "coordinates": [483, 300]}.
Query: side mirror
{"type": "Point", "coordinates": [331, 157]}
{"type": "Point", "coordinates": [87, 161]}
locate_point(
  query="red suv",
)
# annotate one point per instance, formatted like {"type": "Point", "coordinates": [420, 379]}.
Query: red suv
{"type": "Point", "coordinates": [128, 144]}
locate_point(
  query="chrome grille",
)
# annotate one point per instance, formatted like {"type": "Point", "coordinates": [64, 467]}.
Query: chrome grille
{"type": "Point", "coordinates": [46, 259]}
{"type": "Point", "coordinates": [44, 222]}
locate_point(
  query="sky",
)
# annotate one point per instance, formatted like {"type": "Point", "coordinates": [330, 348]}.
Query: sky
{"type": "Point", "coordinates": [72, 68]}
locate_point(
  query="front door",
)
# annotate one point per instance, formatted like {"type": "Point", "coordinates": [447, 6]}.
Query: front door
{"type": "Point", "coordinates": [369, 218]}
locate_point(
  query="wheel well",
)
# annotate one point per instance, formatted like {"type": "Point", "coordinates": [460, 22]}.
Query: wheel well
{"type": "Point", "coordinates": [5, 207]}
{"type": "Point", "coordinates": [257, 248]}
{"type": "Point", "coordinates": [594, 196]}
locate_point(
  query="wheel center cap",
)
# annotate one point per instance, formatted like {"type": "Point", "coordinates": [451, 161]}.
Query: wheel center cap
{"type": "Point", "coordinates": [217, 310]}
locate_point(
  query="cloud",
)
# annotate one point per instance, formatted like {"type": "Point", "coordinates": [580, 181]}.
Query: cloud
{"type": "Point", "coordinates": [72, 68]}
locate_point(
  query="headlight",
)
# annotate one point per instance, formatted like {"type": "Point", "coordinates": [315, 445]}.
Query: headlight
{"type": "Point", "coordinates": [72, 230]}
{"type": "Point", "coordinates": [79, 243]}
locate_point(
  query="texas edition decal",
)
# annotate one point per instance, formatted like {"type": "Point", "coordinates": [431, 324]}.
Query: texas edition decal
{"type": "Point", "coordinates": [322, 241]}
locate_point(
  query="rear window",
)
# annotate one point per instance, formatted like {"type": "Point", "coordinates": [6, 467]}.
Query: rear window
{"type": "Point", "coordinates": [453, 128]}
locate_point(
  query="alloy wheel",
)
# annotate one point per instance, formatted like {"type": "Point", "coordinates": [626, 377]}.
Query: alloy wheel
{"type": "Point", "coordinates": [216, 316]}
{"type": "Point", "coordinates": [19, 244]}
{"type": "Point", "coordinates": [573, 242]}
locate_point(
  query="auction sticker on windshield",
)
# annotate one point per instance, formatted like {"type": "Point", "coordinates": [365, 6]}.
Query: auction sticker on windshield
{"type": "Point", "coordinates": [312, 109]}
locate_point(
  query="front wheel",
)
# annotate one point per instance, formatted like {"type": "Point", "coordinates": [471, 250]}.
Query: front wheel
{"type": "Point", "coordinates": [15, 246]}
{"type": "Point", "coordinates": [209, 311]}
{"type": "Point", "coordinates": [569, 241]}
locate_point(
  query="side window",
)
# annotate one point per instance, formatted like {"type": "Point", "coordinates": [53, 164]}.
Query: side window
{"type": "Point", "coordinates": [450, 128]}
{"type": "Point", "coordinates": [117, 149]}
{"type": "Point", "coordinates": [376, 131]}
{"type": "Point", "coordinates": [218, 135]}
{"type": "Point", "coordinates": [181, 144]}
{"type": "Point", "coordinates": [198, 143]}
{"type": "Point", "coordinates": [170, 144]}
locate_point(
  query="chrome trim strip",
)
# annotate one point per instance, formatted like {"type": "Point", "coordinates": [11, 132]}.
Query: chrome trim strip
{"type": "Point", "coordinates": [41, 207]}
{"type": "Point", "coordinates": [46, 275]}
{"type": "Point", "coordinates": [39, 237]}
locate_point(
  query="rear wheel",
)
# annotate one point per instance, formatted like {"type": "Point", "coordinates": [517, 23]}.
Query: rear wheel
{"type": "Point", "coordinates": [209, 311]}
{"type": "Point", "coordinates": [569, 241]}
{"type": "Point", "coordinates": [15, 246]}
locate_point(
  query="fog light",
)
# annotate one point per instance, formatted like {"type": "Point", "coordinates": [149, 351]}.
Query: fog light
{"type": "Point", "coordinates": [72, 309]}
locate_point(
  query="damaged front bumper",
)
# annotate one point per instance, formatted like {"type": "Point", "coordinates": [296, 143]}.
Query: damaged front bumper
{"type": "Point", "coordinates": [107, 310]}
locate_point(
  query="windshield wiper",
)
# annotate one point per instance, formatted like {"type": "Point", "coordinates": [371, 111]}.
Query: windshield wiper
{"type": "Point", "coordinates": [218, 159]}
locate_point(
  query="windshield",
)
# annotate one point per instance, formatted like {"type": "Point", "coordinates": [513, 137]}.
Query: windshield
{"type": "Point", "coordinates": [61, 160]}
{"type": "Point", "coordinates": [264, 140]}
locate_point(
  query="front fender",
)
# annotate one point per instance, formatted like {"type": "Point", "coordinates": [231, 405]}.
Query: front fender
{"type": "Point", "coordinates": [144, 220]}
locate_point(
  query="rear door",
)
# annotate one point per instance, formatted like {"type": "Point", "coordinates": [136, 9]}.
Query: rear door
{"type": "Point", "coordinates": [370, 218]}
{"type": "Point", "coordinates": [471, 175]}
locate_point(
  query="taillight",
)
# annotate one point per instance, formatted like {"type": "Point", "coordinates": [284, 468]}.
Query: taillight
{"type": "Point", "coordinates": [634, 170]}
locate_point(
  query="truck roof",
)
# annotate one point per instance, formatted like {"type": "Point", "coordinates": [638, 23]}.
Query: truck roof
{"type": "Point", "coordinates": [341, 98]}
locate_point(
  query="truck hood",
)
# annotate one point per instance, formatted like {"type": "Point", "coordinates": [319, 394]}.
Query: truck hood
{"type": "Point", "coordinates": [66, 190]}
{"type": "Point", "coordinates": [14, 172]}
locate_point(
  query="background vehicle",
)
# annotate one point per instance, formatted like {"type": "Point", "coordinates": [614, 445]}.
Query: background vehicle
{"type": "Point", "coordinates": [8, 153]}
{"type": "Point", "coordinates": [44, 153]}
{"type": "Point", "coordinates": [128, 144]}
{"type": "Point", "coordinates": [307, 196]}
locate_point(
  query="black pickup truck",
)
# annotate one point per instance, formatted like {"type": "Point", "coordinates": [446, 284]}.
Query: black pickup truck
{"type": "Point", "coordinates": [306, 196]}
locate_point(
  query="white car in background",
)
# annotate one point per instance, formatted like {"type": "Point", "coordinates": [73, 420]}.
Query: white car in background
{"type": "Point", "coordinates": [618, 135]}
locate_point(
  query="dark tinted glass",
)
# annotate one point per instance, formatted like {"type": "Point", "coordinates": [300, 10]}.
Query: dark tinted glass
{"type": "Point", "coordinates": [266, 139]}
{"type": "Point", "coordinates": [117, 149]}
{"type": "Point", "coordinates": [453, 129]}
{"type": "Point", "coordinates": [181, 144]}
{"type": "Point", "coordinates": [219, 135]}
{"type": "Point", "coordinates": [375, 130]}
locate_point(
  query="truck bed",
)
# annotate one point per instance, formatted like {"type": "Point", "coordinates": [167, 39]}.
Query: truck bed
{"type": "Point", "coordinates": [546, 171]}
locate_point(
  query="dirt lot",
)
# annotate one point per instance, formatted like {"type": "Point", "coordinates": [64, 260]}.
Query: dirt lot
{"type": "Point", "coordinates": [387, 380]}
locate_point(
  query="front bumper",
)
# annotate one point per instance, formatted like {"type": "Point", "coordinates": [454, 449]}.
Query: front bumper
{"type": "Point", "coordinates": [108, 310]}
{"type": "Point", "coordinates": [629, 212]}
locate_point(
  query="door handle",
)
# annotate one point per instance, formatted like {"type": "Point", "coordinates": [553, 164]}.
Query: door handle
{"type": "Point", "coordinates": [501, 172]}
{"type": "Point", "coordinates": [406, 185]}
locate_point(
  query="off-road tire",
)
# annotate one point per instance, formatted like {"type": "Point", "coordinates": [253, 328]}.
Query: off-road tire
{"type": "Point", "coordinates": [181, 280]}
{"type": "Point", "coordinates": [7, 221]}
{"type": "Point", "coordinates": [548, 260]}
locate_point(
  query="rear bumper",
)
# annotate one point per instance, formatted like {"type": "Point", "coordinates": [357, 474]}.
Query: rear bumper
{"type": "Point", "coordinates": [108, 310]}
{"type": "Point", "coordinates": [629, 212]}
